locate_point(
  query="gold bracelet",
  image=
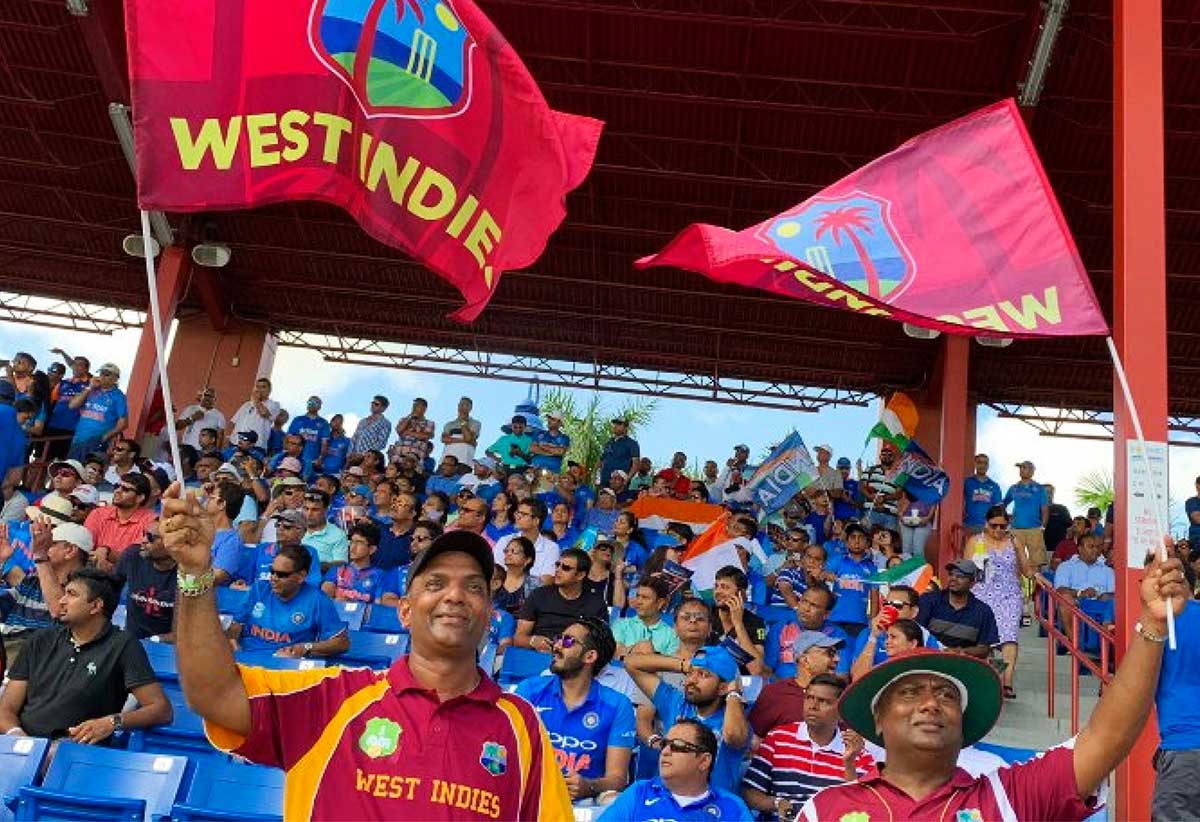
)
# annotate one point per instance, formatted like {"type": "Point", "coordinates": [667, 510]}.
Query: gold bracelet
{"type": "Point", "coordinates": [1148, 636]}
{"type": "Point", "coordinates": [195, 585]}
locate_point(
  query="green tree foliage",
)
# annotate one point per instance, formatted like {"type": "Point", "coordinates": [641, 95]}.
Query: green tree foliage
{"type": "Point", "coordinates": [1095, 490]}
{"type": "Point", "coordinates": [586, 420]}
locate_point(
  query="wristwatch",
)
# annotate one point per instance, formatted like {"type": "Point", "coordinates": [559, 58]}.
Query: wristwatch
{"type": "Point", "coordinates": [117, 723]}
{"type": "Point", "coordinates": [308, 646]}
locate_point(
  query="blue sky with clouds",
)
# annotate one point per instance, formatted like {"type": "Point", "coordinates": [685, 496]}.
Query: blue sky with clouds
{"type": "Point", "coordinates": [701, 429]}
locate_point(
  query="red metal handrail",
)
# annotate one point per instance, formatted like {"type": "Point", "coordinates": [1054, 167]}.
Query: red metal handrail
{"type": "Point", "coordinates": [1045, 612]}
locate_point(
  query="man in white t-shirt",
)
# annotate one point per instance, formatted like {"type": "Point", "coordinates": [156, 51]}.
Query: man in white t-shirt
{"type": "Point", "coordinates": [258, 413]}
{"type": "Point", "coordinates": [461, 434]}
{"type": "Point", "coordinates": [195, 418]}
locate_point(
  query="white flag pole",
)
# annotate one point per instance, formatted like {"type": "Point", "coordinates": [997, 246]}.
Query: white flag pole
{"type": "Point", "coordinates": [1163, 525]}
{"type": "Point", "coordinates": [159, 348]}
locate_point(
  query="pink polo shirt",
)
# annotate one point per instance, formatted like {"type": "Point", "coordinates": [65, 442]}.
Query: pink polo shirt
{"type": "Point", "coordinates": [1041, 789]}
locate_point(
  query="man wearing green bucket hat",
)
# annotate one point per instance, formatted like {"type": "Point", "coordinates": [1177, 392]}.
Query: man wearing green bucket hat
{"type": "Point", "coordinates": [924, 707]}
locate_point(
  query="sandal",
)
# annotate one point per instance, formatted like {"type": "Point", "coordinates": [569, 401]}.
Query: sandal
{"type": "Point", "coordinates": [1009, 693]}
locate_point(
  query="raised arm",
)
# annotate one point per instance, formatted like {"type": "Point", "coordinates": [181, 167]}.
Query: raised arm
{"type": "Point", "coordinates": [1125, 707]}
{"type": "Point", "coordinates": [207, 673]}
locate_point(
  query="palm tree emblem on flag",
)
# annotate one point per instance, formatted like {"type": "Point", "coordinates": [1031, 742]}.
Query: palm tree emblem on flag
{"type": "Point", "coordinates": [400, 57]}
{"type": "Point", "coordinates": [850, 238]}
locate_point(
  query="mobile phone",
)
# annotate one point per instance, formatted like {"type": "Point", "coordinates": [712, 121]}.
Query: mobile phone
{"type": "Point", "coordinates": [888, 615]}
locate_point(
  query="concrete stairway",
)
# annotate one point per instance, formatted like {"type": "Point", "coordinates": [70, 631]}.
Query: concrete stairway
{"type": "Point", "coordinates": [1024, 722]}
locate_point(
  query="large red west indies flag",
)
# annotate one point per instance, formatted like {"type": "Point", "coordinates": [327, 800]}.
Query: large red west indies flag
{"type": "Point", "coordinates": [416, 116]}
{"type": "Point", "coordinates": [956, 230]}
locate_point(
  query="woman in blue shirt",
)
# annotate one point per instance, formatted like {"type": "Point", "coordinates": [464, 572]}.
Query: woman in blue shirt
{"type": "Point", "coordinates": [501, 524]}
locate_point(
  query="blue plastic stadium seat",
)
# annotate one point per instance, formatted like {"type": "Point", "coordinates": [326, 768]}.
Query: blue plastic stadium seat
{"type": "Point", "coordinates": [487, 659]}
{"type": "Point", "coordinates": [232, 791]}
{"type": "Point", "coordinates": [119, 617]}
{"type": "Point", "coordinates": [162, 660]}
{"type": "Point", "coordinates": [521, 663]}
{"type": "Point", "coordinates": [94, 782]}
{"type": "Point", "coordinates": [230, 601]}
{"type": "Point", "coordinates": [383, 619]}
{"type": "Point", "coordinates": [372, 650]}
{"type": "Point", "coordinates": [20, 760]}
{"type": "Point", "coordinates": [352, 613]}
{"type": "Point", "coordinates": [267, 659]}
{"type": "Point", "coordinates": [183, 737]}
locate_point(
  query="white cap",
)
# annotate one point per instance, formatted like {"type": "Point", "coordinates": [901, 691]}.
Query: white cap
{"type": "Point", "coordinates": [76, 535]}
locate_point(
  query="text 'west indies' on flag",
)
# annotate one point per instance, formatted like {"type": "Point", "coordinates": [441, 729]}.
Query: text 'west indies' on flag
{"type": "Point", "coordinates": [416, 116]}
{"type": "Point", "coordinates": [956, 230]}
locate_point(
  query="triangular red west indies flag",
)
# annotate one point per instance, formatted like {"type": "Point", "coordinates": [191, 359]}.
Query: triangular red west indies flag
{"type": "Point", "coordinates": [416, 116]}
{"type": "Point", "coordinates": [956, 230]}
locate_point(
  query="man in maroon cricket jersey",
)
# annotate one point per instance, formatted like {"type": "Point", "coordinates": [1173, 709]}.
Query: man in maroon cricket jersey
{"type": "Point", "coordinates": [432, 738]}
{"type": "Point", "coordinates": [925, 706]}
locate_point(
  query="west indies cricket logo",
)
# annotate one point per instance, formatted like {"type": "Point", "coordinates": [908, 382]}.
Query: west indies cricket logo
{"type": "Point", "coordinates": [401, 58]}
{"type": "Point", "coordinates": [850, 238]}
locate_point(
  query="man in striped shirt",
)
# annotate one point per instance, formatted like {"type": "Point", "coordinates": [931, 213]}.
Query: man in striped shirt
{"type": "Point", "coordinates": [798, 759]}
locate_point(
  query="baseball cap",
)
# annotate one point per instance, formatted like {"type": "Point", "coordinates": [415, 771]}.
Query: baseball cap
{"type": "Point", "coordinates": [1026, 464]}
{"type": "Point", "coordinates": [843, 462]}
{"type": "Point", "coordinates": [229, 468]}
{"type": "Point", "coordinates": [248, 436]}
{"type": "Point", "coordinates": [741, 446]}
{"type": "Point", "coordinates": [466, 542]}
{"type": "Point", "coordinates": [607, 490]}
{"type": "Point", "coordinates": [963, 566]}
{"type": "Point", "coordinates": [622, 474]}
{"type": "Point", "coordinates": [53, 509]}
{"type": "Point", "coordinates": [554, 415]}
{"type": "Point", "coordinates": [361, 490]}
{"type": "Point", "coordinates": [85, 495]}
{"type": "Point", "coordinates": [717, 661]}
{"type": "Point", "coordinates": [291, 516]}
{"type": "Point", "coordinates": [620, 421]}
{"type": "Point", "coordinates": [75, 534]}
{"type": "Point", "coordinates": [977, 683]}
{"type": "Point", "coordinates": [828, 449]}
{"type": "Point", "coordinates": [74, 465]}
{"type": "Point", "coordinates": [314, 402]}
{"type": "Point", "coordinates": [290, 464]}
{"type": "Point", "coordinates": [486, 462]}
{"type": "Point", "coordinates": [855, 528]}
{"type": "Point", "coordinates": [356, 471]}
{"type": "Point", "coordinates": [110, 366]}
{"type": "Point", "coordinates": [815, 639]}
{"type": "Point", "coordinates": [289, 482]}
{"type": "Point", "coordinates": [57, 368]}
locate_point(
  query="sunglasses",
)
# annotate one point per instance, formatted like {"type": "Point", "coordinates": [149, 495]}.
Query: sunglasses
{"type": "Point", "coordinates": [897, 604]}
{"type": "Point", "coordinates": [127, 489]}
{"type": "Point", "coordinates": [681, 746]}
{"type": "Point", "coordinates": [104, 372]}
{"type": "Point", "coordinates": [999, 526]}
{"type": "Point", "coordinates": [562, 566]}
{"type": "Point", "coordinates": [64, 472]}
{"type": "Point", "coordinates": [694, 617]}
{"type": "Point", "coordinates": [283, 574]}
{"type": "Point", "coordinates": [566, 641]}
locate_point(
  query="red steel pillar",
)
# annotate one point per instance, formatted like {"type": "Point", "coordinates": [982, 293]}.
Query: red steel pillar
{"type": "Point", "coordinates": [173, 268]}
{"type": "Point", "coordinates": [1139, 310]}
{"type": "Point", "coordinates": [957, 427]}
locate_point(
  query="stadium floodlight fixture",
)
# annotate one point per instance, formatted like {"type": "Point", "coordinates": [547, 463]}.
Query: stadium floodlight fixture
{"type": "Point", "coordinates": [118, 113]}
{"type": "Point", "coordinates": [211, 255]}
{"type": "Point", "coordinates": [135, 246]}
{"type": "Point", "coordinates": [78, 8]}
{"type": "Point", "coordinates": [919, 333]}
{"type": "Point", "coordinates": [994, 342]}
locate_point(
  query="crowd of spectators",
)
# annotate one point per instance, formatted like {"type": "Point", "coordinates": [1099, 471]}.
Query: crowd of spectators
{"type": "Point", "coordinates": [307, 514]}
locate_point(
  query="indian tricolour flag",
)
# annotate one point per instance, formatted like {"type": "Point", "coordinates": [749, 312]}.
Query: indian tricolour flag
{"type": "Point", "coordinates": [656, 513]}
{"type": "Point", "coordinates": [709, 553]}
{"type": "Point", "coordinates": [916, 573]}
{"type": "Point", "coordinates": [897, 421]}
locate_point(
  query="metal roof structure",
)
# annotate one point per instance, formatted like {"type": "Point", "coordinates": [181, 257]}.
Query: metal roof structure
{"type": "Point", "coordinates": [722, 111]}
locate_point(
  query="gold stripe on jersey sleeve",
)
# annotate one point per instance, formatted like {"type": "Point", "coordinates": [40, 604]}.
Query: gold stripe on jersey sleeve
{"type": "Point", "coordinates": [260, 682]}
